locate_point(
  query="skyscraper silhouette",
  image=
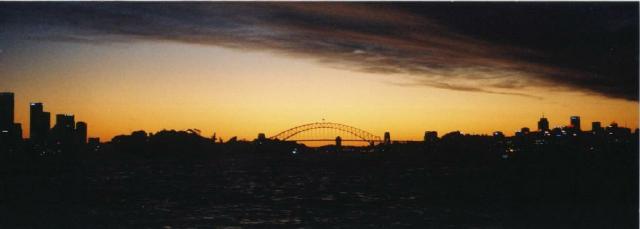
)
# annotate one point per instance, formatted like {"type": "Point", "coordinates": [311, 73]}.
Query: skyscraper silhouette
{"type": "Point", "coordinates": [63, 131]}
{"type": "Point", "coordinates": [543, 124]}
{"type": "Point", "coordinates": [6, 111]}
{"type": "Point", "coordinates": [81, 132]}
{"type": "Point", "coordinates": [65, 121]}
{"type": "Point", "coordinates": [387, 138]}
{"type": "Point", "coordinates": [40, 122]}
{"type": "Point", "coordinates": [35, 111]}
{"type": "Point", "coordinates": [575, 122]}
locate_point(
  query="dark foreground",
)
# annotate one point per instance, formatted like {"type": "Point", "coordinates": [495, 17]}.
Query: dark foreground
{"type": "Point", "coordinates": [319, 191]}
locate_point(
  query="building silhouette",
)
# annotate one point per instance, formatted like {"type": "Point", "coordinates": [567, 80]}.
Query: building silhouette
{"type": "Point", "coordinates": [40, 122]}
{"type": "Point", "coordinates": [387, 138]}
{"type": "Point", "coordinates": [64, 129]}
{"type": "Point", "coordinates": [543, 124]}
{"type": "Point", "coordinates": [65, 121]}
{"type": "Point", "coordinates": [10, 132]}
{"type": "Point", "coordinates": [430, 136]}
{"type": "Point", "coordinates": [6, 112]}
{"type": "Point", "coordinates": [575, 122]}
{"type": "Point", "coordinates": [81, 132]}
{"type": "Point", "coordinates": [262, 137]}
{"type": "Point", "coordinates": [596, 127]}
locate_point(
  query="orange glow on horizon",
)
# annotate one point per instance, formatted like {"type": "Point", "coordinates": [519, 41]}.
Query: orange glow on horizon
{"type": "Point", "coordinates": [152, 86]}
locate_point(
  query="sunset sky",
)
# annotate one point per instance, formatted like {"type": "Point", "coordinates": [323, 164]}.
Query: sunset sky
{"type": "Point", "coordinates": [242, 69]}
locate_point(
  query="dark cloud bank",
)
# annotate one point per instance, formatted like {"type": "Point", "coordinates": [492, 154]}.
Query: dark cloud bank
{"type": "Point", "coordinates": [481, 47]}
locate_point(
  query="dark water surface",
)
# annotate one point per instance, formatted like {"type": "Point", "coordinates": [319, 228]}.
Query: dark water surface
{"type": "Point", "coordinates": [308, 191]}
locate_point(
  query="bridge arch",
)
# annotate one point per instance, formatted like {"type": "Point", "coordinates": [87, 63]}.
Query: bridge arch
{"type": "Point", "coordinates": [360, 134]}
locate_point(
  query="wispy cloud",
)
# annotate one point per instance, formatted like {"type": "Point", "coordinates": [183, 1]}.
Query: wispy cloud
{"type": "Point", "coordinates": [379, 38]}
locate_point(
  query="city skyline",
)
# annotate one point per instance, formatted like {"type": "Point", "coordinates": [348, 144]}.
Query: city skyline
{"type": "Point", "coordinates": [243, 69]}
{"type": "Point", "coordinates": [40, 121]}
{"type": "Point", "coordinates": [319, 114]}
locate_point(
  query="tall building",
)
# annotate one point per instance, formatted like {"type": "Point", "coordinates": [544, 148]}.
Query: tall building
{"type": "Point", "coordinates": [35, 112]}
{"type": "Point", "coordinates": [40, 122]}
{"type": "Point", "coordinates": [387, 138]}
{"type": "Point", "coordinates": [543, 124]}
{"type": "Point", "coordinates": [81, 132]}
{"type": "Point", "coordinates": [575, 122]}
{"type": "Point", "coordinates": [6, 111]}
{"type": "Point", "coordinates": [64, 129]}
{"type": "Point", "coordinates": [65, 121]}
{"type": "Point", "coordinates": [46, 121]}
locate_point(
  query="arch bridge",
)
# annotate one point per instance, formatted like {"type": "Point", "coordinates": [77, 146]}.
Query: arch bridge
{"type": "Point", "coordinates": [318, 132]}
